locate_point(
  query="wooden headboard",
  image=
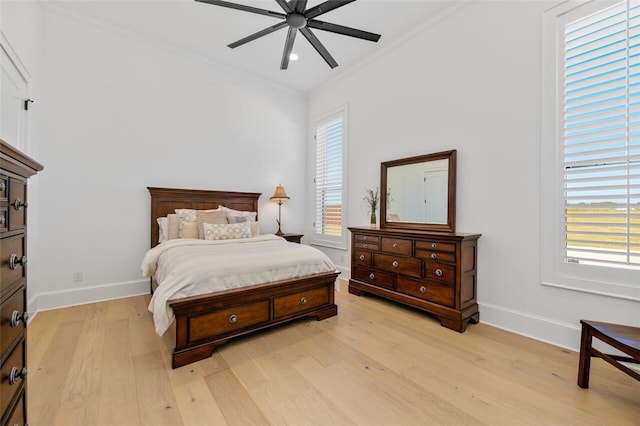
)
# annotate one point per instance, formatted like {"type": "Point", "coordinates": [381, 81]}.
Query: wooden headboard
{"type": "Point", "coordinates": [164, 201]}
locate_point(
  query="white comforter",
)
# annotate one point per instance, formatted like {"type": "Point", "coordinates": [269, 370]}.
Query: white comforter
{"type": "Point", "coordinates": [187, 267]}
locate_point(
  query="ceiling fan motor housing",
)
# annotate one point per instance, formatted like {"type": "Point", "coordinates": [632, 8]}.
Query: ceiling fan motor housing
{"type": "Point", "coordinates": [296, 20]}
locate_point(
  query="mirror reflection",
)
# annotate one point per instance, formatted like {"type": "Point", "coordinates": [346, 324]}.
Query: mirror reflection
{"type": "Point", "coordinates": [418, 192]}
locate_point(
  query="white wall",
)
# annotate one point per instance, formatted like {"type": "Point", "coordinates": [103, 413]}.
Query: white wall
{"type": "Point", "coordinates": [471, 82]}
{"type": "Point", "coordinates": [120, 114]}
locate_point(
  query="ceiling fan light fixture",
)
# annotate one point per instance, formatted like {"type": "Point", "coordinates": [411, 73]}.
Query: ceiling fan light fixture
{"type": "Point", "coordinates": [297, 17]}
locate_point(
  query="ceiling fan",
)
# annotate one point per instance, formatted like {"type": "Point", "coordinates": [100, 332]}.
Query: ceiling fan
{"type": "Point", "coordinates": [298, 18]}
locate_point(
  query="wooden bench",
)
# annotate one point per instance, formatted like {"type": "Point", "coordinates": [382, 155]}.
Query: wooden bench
{"type": "Point", "coordinates": [624, 338]}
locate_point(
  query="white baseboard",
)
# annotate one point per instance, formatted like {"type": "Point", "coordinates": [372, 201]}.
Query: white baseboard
{"type": "Point", "coordinates": [549, 331]}
{"type": "Point", "coordinates": [48, 300]}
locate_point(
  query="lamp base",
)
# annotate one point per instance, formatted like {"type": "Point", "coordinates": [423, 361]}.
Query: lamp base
{"type": "Point", "coordinates": [279, 233]}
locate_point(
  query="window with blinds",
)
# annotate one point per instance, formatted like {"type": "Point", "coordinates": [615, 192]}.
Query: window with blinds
{"type": "Point", "coordinates": [328, 197]}
{"type": "Point", "coordinates": [601, 137]}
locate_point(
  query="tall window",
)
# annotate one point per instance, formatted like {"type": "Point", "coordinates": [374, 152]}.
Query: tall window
{"type": "Point", "coordinates": [596, 140]}
{"type": "Point", "coordinates": [329, 197]}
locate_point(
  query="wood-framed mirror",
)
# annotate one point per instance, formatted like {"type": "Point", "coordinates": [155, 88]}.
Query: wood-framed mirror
{"type": "Point", "coordinates": [419, 192]}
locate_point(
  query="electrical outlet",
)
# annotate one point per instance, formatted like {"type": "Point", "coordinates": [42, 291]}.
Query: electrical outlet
{"type": "Point", "coordinates": [77, 276]}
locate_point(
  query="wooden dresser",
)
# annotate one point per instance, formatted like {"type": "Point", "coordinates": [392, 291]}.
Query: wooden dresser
{"type": "Point", "coordinates": [431, 271]}
{"type": "Point", "coordinates": [15, 169]}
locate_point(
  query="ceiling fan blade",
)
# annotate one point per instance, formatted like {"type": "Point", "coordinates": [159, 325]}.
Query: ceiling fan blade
{"type": "Point", "coordinates": [284, 5]}
{"type": "Point", "coordinates": [339, 29]}
{"type": "Point", "coordinates": [306, 32]}
{"type": "Point", "coordinates": [244, 8]}
{"type": "Point", "coordinates": [325, 7]}
{"type": "Point", "coordinates": [299, 6]}
{"type": "Point", "coordinates": [259, 34]}
{"type": "Point", "coordinates": [288, 47]}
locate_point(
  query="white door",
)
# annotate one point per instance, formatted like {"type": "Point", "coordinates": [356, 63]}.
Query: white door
{"type": "Point", "coordinates": [14, 89]}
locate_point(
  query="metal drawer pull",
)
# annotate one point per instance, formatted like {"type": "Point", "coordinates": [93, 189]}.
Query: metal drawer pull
{"type": "Point", "coordinates": [18, 204]}
{"type": "Point", "coordinates": [15, 374]}
{"type": "Point", "coordinates": [423, 289]}
{"type": "Point", "coordinates": [364, 246]}
{"type": "Point", "coordinates": [434, 256]}
{"type": "Point", "coordinates": [2, 219]}
{"type": "Point", "coordinates": [303, 301]}
{"type": "Point", "coordinates": [439, 272]}
{"type": "Point", "coordinates": [16, 318]}
{"type": "Point", "coordinates": [362, 257]}
{"type": "Point", "coordinates": [434, 245]}
{"type": "Point", "coordinates": [3, 186]}
{"type": "Point", "coordinates": [372, 276]}
{"type": "Point", "coordinates": [14, 261]}
{"type": "Point", "coordinates": [395, 245]}
{"type": "Point", "coordinates": [365, 238]}
{"type": "Point", "coordinates": [233, 319]}
{"type": "Point", "coordinates": [395, 264]}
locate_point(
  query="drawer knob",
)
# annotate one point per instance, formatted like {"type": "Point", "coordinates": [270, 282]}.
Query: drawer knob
{"type": "Point", "coordinates": [439, 272]}
{"type": "Point", "coordinates": [16, 318]}
{"type": "Point", "coordinates": [372, 276]}
{"type": "Point", "coordinates": [434, 245]}
{"type": "Point", "coordinates": [423, 289]}
{"type": "Point", "coordinates": [395, 245]}
{"type": "Point", "coordinates": [16, 374]}
{"type": "Point", "coordinates": [365, 238]}
{"type": "Point", "coordinates": [2, 219]}
{"type": "Point", "coordinates": [14, 261]}
{"type": "Point", "coordinates": [18, 204]}
{"type": "Point", "coordinates": [364, 245]}
{"type": "Point", "coordinates": [434, 256]}
{"type": "Point", "coordinates": [233, 319]}
{"type": "Point", "coordinates": [303, 301]}
{"type": "Point", "coordinates": [3, 186]}
{"type": "Point", "coordinates": [395, 264]}
{"type": "Point", "coordinates": [361, 257]}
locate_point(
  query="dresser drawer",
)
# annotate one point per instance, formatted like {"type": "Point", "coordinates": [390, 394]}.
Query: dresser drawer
{"type": "Point", "coordinates": [439, 272]}
{"type": "Point", "coordinates": [300, 302]}
{"type": "Point", "coordinates": [367, 242]}
{"type": "Point", "coordinates": [435, 245]}
{"type": "Point", "coordinates": [8, 247]}
{"type": "Point", "coordinates": [398, 264]}
{"type": "Point", "coordinates": [4, 219]}
{"type": "Point", "coordinates": [372, 239]}
{"type": "Point", "coordinates": [4, 185]}
{"type": "Point", "coordinates": [397, 246]}
{"type": "Point", "coordinates": [227, 320]}
{"type": "Point", "coordinates": [374, 276]}
{"type": "Point", "coordinates": [362, 257]}
{"type": "Point", "coordinates": [7, 389]}
{"type": "Point", "coordinates": [17, 197]}
{"type": "Point", "coordinates": [442, 295]}
{"type": "Point", "coordinates": [9, 333]}
{"type": "Point", "coordinates": [437, 256]}
{"type": "Point", "coordinates": [18, 415]}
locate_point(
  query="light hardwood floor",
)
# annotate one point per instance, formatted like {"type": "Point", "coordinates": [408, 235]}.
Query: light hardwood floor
{"type": "Point", "coordinates": [376, 363]}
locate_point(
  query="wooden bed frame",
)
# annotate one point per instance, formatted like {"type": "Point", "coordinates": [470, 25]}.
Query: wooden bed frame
{"type": "Point", "coordinates": [205, 322]}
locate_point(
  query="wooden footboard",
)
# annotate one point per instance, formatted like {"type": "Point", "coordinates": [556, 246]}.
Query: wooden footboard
{"type": "Point", "coordinates": [205, 322]}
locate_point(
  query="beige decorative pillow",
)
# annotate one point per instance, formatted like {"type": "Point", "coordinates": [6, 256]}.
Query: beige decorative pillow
{"type": "Point", "coordinates": [188, 229]}
{"type": "Point", "coordinates": [202, 217]}
{"type": "Point", "coordinates": [216, 231]}
{"type": "Point", "coordinates": [255, 228]}
{"type": "Point", "coordinates": [173, 226]}
{"type": "Point", "coordinates": [190, 215]}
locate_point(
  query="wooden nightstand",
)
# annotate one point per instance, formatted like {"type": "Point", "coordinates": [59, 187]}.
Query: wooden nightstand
{"type": "Point", "coordinates": [292, 238]}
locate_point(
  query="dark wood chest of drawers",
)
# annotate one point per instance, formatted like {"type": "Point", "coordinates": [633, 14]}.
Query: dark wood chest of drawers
{"type": "Point", "coordinates": [434, 272]}
{"type": "Point", "coordinates": [15, 169]}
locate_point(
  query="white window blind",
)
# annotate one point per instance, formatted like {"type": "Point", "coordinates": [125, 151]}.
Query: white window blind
{"type": "Point", "coordinates": [329, 137]}
{"type": "Point", "coordinates": [601, 137]}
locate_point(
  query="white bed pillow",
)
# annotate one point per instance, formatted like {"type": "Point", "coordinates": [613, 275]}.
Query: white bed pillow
{"type": "Point", "coordinates": [220, 231]}
{"type": "Point", "coordinates": [163, 229]}
{"type": "Point", "coordinates": [251, 216]}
